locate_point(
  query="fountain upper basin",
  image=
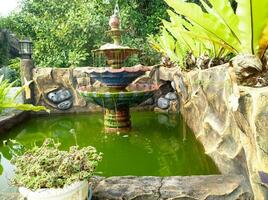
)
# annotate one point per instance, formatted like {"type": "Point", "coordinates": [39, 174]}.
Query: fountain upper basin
{"type": "Point", "coordinates": [115, 54]}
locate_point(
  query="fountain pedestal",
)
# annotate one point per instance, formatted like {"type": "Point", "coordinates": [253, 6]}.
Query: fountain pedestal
{"type": "Point", "coordinates": [117, 120]}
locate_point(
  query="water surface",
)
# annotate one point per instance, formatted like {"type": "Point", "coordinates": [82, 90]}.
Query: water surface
{"type": "Point", "coordinates": [158, 145]}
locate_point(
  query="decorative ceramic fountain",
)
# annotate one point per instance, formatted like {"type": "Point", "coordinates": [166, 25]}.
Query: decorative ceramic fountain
{"type": "Point", "coordinates": [119, 93]}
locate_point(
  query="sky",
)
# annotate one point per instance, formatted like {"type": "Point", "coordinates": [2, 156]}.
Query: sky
{"type": "Point", "coordinates": [6, 6]}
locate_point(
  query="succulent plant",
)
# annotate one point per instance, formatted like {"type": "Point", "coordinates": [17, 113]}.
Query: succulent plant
{"type": "Point", "coordinates": [47, 166]}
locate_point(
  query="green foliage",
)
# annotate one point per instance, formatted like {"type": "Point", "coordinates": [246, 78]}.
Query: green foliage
{"type": "Point", "coordinates": [253, 17]}
{"type": "Point", "coordinates": [48, 167]}
{"type": "Point", "coordinates": [263, 42]}
{"type": "Point", "coordinates": [168, 46]}
{"type": "Point", "coordinates": [14, 64]}
{"type": "Point", "coordinates": [65, 33]}
{"type": "Point", "coordinates": [12, 71]}
{"type": "Point", "coordinates": [212, 28]}
{"type": "Point", "coordinates": [179, 38]}
{"type": "Point", "coordinates": [10, 74]}
{"type": "Point", "coordinates": [217, 22]}
{"type": "Point", "coordinates": [207, 25]}
{"type": "Point", "coordinates": [10, 102]}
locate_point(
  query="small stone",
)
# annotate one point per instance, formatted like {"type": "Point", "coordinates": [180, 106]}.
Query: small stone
{"type": "Point", "coordinates": [59, 96]}
{"type": "Point", "coordinates": [65, 105]}
{"type": "Point", "coordinates": [171, 96]}
{"type": "Point", "coordinates": [163, 103]}
{"type": "Point", "coordinates": [63, 95]}
{"type": "Point", "coordinates": [52, 97]}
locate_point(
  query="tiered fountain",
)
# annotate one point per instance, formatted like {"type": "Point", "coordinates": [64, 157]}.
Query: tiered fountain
{"type": "Point", "coordinates": [119, 93]}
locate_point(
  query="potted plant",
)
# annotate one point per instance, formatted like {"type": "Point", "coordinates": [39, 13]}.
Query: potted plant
{"type": "Point", "coordinates": [48, 173]}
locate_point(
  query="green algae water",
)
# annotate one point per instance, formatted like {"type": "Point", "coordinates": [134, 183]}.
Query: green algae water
{"type": "Point", "coordinates": [158, 145]}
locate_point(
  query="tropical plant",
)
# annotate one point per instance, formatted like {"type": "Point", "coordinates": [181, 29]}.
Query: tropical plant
{"type": "Point", "coordinates": [167, 46]}
{"type": "Point", "coordinates": [176, 44]}
{"type": "Point", "coordinates": [10, 102]}
{"type": "Point", "coordinates": [238, 33]}
{"type": "Point", "coordinates": [49, 167]}
{"type": "Point", "coordinates": [214, 29]}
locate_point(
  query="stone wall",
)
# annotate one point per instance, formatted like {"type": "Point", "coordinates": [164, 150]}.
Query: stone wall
{"type": "Point", "coordinates": [230, 121]}
{"type": "Point", "coordinates": [56, 88]}
{"type": "Point", "coordinates": [51, 83]}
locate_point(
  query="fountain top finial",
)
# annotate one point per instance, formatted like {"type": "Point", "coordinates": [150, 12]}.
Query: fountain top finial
{"type": "Point", "coordinates": [116, 9]}
{"type": "Point", "coordinates": [114, 21]}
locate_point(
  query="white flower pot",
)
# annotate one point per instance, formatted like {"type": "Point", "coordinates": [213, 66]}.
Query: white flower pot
{"type": "Point", "coordinates": [75, 191]}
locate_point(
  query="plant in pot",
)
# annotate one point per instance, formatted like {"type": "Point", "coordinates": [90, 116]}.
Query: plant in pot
{"type": "Point", "coordinates": [47, 173]}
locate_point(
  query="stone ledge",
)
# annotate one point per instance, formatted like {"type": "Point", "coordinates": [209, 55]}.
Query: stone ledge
{"type": "Point", "coordinates": [158, 188]}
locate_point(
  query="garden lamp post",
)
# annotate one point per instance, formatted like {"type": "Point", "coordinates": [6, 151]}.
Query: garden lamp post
{"type": "Point", "coordinates": [26, 49]}
{"type": "Point", "coordinates": [26, 69]}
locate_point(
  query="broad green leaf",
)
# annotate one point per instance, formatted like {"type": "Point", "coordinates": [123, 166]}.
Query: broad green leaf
{"type": "Point", "coordinates": [225, 12]}
{"type": "Point", "coordinates": [8, 102]}
{"type": "Point", "coordinates": [253, 16]}
{"type": "Point", "coordinates": [206, 21]}
{"type": "Point", "coordinates": [177, 28]}
{"type": "Point", "coordinates": [263, 42]}
{"type": "Point", "coordinates": [25, 107]}
{"type": "Point", "coordinates": [184, 41]}
{"type": "Point", "coordinates": [196, 33]}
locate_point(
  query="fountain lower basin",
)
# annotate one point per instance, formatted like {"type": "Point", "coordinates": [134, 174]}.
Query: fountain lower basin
{"type": "Point", "coordinates": [117, 103]}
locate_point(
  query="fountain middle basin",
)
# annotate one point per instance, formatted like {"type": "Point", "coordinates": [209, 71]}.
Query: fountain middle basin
{"type": "Point", "coordinates": [119, 78]}
{"type": "Point", "coordinates": [113, 98]}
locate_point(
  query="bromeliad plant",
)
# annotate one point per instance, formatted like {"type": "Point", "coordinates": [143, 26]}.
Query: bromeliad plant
{"type": "Point", "coordinates": [49, 167]}
{"type": "Point", "coordinates": [215, 29]}
{"type": "Point", "coordinates": [10, 102]}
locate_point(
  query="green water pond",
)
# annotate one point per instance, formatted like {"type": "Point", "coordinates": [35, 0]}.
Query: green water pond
{"type": "Point", "coordinates": [158, 145]}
